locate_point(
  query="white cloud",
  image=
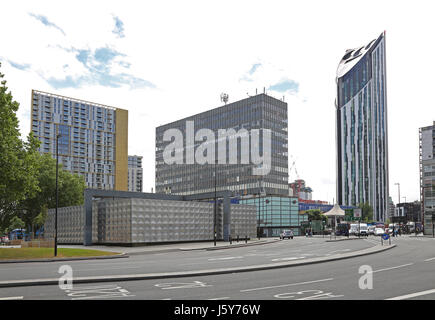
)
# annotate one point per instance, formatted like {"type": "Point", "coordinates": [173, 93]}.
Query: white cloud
{"type": "Point", "coordinates": [194, 50]}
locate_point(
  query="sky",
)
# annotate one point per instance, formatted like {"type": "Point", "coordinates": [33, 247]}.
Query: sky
{"type": "Point", "coordinates": [166, 60]}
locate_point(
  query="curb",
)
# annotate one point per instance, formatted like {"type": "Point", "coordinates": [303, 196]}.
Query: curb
{"type": "Point", "coordinates": [116, 256]}
{"type": "Point", "coordinates": [150, 276]}
{"type": "Point", "coordinates": [257, 243]}
{"type": "Point", "coordinates": [346, 239]}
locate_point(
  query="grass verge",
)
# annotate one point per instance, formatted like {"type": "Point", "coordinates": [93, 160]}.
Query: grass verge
{"type": "Point", "coordinates": [40, 253]}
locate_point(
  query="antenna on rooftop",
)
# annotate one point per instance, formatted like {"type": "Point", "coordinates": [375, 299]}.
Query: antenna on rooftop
{"type": "Point", "coordinates": [224, 97]}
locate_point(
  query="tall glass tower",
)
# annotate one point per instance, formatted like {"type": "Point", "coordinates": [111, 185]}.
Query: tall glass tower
{"type": "Point", "coordinates": [362, 131]}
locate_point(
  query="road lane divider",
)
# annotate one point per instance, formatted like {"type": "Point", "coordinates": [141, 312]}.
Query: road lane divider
{"type": "Point", "coordinates": [287, 285]}
{"type": "Point", "coordinates": [413, 295]}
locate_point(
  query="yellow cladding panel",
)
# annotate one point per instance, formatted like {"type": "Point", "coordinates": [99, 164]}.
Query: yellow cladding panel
{"type": "Point", "coordinates": [121, 153]}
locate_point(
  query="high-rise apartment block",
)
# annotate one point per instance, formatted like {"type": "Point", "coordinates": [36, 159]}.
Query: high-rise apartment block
{"type": "Point", "coordinates": [258, 112]}
{"type": "Point", "coordinates": [93, 138]}
{"type": "Point", "coordinates": [362, 131]}
{"type": "Point", "coordinates": [135, 173]}
{"type": "Point", "coordinates": [427, 176]}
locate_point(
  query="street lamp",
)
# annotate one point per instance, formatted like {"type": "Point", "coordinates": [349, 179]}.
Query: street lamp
{"type": "Point", "coordinates": [215, 203]}
{"type": "Point", "coordinates": [398, 186]}
{"type": "Point", "coordinates": [57, 193]}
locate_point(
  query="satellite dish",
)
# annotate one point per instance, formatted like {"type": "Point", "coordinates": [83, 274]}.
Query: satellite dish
{"type": "Point", "coordinates": [224, 97]}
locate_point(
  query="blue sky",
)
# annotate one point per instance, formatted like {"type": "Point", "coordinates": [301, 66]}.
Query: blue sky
{"type": "Point", "coordinates": [168, 60]}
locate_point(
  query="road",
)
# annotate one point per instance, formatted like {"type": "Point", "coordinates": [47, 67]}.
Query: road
{"type": "Point", "coordinates": [404, 272]}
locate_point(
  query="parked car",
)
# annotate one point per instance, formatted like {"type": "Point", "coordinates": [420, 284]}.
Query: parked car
{"type": "Point", "coordinates": [286, 234]}
{"type": "Point", "coordinates": [379, 231]}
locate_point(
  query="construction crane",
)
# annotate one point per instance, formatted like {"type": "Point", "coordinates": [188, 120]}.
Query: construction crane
{"type": "Point", "coordinates": [293, 166]}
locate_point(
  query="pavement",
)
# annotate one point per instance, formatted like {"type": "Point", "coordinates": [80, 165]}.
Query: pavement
{"type": "Point", "coordinates": [376, 248]}
{"type": "Point", "coordinates": [125, 252]}
{"type": "Point", "coordinates": [173, 247]}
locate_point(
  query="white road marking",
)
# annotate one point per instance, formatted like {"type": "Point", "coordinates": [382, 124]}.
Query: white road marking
{"type": "Point", "coordinates": [182, 285]}
{"type": "Point", "coordinates": [286, 259]}
{"type": "Point", "coordinates": [221, 298]}
{"type": "Point", "coordinates": [429, 259]}
{"type": "Point", "coordinates": [287, 285]}
{"type": "Point", "coordinates": [413, 295]}
{"type": "Point", "coordinates": [106, 296]}
{"type": "Point", "coordinates": [225, 258]}
{"type": "Point", "coordinates": [401, 266]}
{"type": "Point", "coordinates": [12, 298]}
{"type": "Point", "coordinates": [97, 292]}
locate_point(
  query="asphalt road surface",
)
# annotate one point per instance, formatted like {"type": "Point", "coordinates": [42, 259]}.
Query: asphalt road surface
{"type": "Point", "coordinates": [404, 272]}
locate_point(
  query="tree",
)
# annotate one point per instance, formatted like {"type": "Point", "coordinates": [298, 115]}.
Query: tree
{"type": "Point", "coordinates": [17, 160]}
{"type": "Point", "coordinates": [316, 214]}
{"type": "Point", "coordinates": [366, 212]}
{"type": "Point", "coordinates": [15, 223]}
{"type": "Point", "coordinates": [70, 191]}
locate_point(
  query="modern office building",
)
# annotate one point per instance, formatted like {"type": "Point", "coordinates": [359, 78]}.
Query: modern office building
{"type": "Point", "coordinates": [427, 176]}
{"type": "Point", "coordinates": [93, 138]}
{"type": "Point", "coordinates": [409, 211]}
{"type": "Point", "coordinates": [361, 128]}
{"type": "Point", "coordinates": [275, 214]}
{"type": "Point", "coordinates": [192, 175]}
{"type": "Point", "coordinates": [135, 173]}
{"type": "Point", "coordinates": [391, 208]}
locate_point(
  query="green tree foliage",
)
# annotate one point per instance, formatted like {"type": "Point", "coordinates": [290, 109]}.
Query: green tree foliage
{"type": "Point", "coordinates": [70, 190]}
{"type": "Point", "coordinates": [315, 215]}
{"type": "Point", "coordinates": [17, 160]}
{"type": "Point", "coordinates": [366, 212]}
{"type": "Point", "coordinates": [28, 179]}
{"type": "Point", "coordinates": [15, 223]}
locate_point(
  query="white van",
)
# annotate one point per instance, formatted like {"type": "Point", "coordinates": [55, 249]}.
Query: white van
{"type": "Point", "coordinates": [364, 229]}
{"type": "Point", "coordinates": [353, 229]}
{"type": "Point", "coordinates": [359, 229]}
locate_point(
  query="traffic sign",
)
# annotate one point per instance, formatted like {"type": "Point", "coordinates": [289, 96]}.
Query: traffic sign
{"type": "Point", "coordinates": [385, 236]}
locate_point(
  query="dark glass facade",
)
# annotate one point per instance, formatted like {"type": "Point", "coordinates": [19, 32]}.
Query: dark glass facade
{"type": "Point", "coordinates": [258, 112]}
{"type": "Point", "coordinates": [362, 140]}
{"type": "Point", "coordinates": [275, 214]}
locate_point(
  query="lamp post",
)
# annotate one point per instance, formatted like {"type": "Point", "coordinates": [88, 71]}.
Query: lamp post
{"type": "Point", "coordinates": [57, 194]}
{"type": "Point", "coordinates": [215, 204]}
{"type": "Point", "coordinates": [398, 186]}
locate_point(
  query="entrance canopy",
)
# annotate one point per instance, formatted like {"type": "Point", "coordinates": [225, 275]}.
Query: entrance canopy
{"type": "Point", "coordinates": [336, 211]}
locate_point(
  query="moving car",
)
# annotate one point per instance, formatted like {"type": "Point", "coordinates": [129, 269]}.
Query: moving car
{"type": "Point", "coordinates": [371, 230]}
{"type": "Point", "coordinates": [286, 234]}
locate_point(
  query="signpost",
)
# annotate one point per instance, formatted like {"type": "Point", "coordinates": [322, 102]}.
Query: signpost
{"type": "Point", "coordinates": [386, 237]}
